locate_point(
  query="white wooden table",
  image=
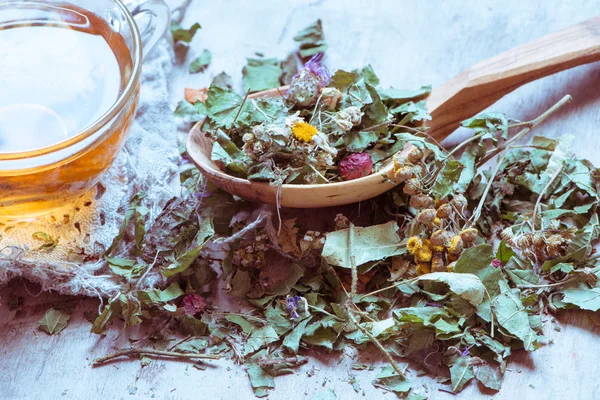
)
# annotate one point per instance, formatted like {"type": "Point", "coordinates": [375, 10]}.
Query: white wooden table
{"type": "Point", "coordinates": [408, 43]}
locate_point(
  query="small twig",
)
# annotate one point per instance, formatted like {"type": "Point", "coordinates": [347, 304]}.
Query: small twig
{"type": "Point", "coordinates": [477, 212]}
{"type": "Point", "coordinates": [352, 260]}
{"type": "Point", "coordinates": [185, 339]}
{"type": "Point", "coordinates": [395, 285]}
{"type": "Point", "coordinates": [152, 352]}
{"type": "Point", "coordinates": [327, 313]}
{"type": "Point", "coordinates": [526, 130]}
{"type": "Point", "coordinates": [539, 199]}
{"type": "Point", "coordinates": [276, 361]}
{"type": "Point", "coordinates": [238, 112]}
{"type": "Point", "coordinates": [378, 344]}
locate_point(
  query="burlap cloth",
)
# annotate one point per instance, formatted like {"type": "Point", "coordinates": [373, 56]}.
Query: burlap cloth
{"type": "Point", "coordinates": [149, 162]}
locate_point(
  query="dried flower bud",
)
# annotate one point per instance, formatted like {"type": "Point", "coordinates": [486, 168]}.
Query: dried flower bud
{"type": "Point", "coordinates": [343, 124]}
{"type": "Point", "coordinates": [341, 222]}
{"type": "Point", "coordinates": [423, 268]}
{"type": "Point", "coordinates": [524, 241]}
{"type": "Point", "coordinates": [444, 211]}
{"type": "Point", "coordinates": [194, 304]}
{"type": "Point", "coordinates": [506, 234]}
{"type": "Point", "coordinates": [352, 114]}
{"type": "Point", "coordinates": [414, 155]}
{"type": "Point", "coordinates": [330, 97]}
{"type": "Point", "coordinates": [456, 245]}
{"type": "Point", "coordinates": [426, 216]}
{"type": "Point", "coordinates": [460, 202]}
{"type": "Point", "coordinates": [403, 174]}
{"type": "Point", "coordinates": [356, 165]}
{"type": "Point", "coordinates": [469, 235]}
{"type": "Point", "coordinates": [437, 263]}
{"type": "Point", "coordinates": [412, 187]}
{"type": "Point", "coordinates": [420, 201]}
{"type": "Point", "coordinates": [440, 238]}
{"type": "Point", "coordinates": [307, 83]}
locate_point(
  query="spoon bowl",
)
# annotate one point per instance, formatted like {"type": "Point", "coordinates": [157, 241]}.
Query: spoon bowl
{"type": "Point", "coordinates": [463, 96]}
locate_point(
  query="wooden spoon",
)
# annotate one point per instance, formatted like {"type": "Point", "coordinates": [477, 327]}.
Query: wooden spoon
{"type": "Point", "coordinates": [462, 97]}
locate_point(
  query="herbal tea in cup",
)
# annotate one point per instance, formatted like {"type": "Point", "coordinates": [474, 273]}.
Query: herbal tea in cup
{"type": "Point", "coordinates": [69, 85]}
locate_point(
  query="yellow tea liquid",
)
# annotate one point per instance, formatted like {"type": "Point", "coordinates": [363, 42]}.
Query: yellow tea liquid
{"type": "Point", "coordinates": [57, 77]}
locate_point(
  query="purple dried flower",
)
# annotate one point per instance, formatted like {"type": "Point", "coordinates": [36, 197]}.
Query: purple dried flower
{"type": "Point", "coordinates": [433, 304]}
{"type": "Point", "coordinates": [308, 82]}
{"type": "Point", "coordinates": [292, 306]}
{"type": "Point", "coordinates": [465, 352]}
{"type": "Point", "coordinates": [496, 263]}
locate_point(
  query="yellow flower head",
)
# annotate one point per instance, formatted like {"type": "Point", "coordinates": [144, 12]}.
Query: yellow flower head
{"type": "Point", "coordinates": [304, 132]}
{"type": "Point", "coordinates": [422, 269]}
{"type": "Point", "coordinates": [456, 245]}
{"type": "Point", "coordinates": [437, 249]}
{"type": "Point", "coordinates": [414, 244]}
{"type": "Point", "coordinates": [424, 254]}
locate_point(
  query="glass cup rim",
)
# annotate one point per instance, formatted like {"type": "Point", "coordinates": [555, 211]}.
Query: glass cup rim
{"type": "Point", "coordinates": [111, 113]}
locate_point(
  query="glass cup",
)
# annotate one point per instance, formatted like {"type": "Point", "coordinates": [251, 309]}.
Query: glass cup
{"type": "Point", "coordinates": [37, 181]}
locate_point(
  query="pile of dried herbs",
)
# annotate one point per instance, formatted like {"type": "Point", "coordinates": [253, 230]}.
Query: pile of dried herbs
{"type": "Point", "coordinates": [321, 129]}
{"type": "Point", "coordinates": [455, 267]}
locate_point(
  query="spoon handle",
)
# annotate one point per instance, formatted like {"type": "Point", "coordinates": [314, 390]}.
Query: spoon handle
{"type": "Point", "coordinates": [481, 85]}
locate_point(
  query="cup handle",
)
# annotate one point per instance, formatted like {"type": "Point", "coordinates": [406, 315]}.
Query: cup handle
{"type": "Point", "coordinates": [153, 18]}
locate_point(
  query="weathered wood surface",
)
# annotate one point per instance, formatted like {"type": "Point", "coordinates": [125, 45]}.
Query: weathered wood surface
{"type": "Point", "coordinates": [408, 43]}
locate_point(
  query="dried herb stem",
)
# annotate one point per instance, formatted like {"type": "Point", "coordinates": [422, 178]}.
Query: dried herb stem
{"type": "Point", "coordinates": [539, 199]}
{"type": "Point", "coordinates": [378, 344]}
{"type": "Point", "coordinates": [238, 112]}
{"type": "Point", "coordinates": [477, 212]}
{"type": "Point", "coordinates": [529, 126]}
{"type": "Point", "coordinates": [395, 285]}
{"type": "Point", "coordinates": [153, 352]}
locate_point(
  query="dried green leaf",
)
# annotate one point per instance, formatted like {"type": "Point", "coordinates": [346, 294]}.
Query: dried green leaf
{"type": "Point", "coordinates": [447, 179]}
{"type": "Point", "coordinates": [261, 74]}
{"type": "Point", "coordinates": [311, 40]}
{"type": "Point", "coordinates": [54, 321]}
{"type": "Point", "coordinates": [184, 35]}
{"type": "Point", "coordinates": [461, 372]}
{"type": "Point", "coordinates": [368, 244]}
{"type": "Point", "coordinates": [468, 286]}
{"type": "Point", "coordinates": [390, 380]}
{"type": "Point", "coordinates": [201, 63]}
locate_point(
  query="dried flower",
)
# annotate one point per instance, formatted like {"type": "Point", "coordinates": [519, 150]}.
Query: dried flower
{"type": "Point", "coordinates": [456, 245]}
{"type": "Point", "coordinates": [420, 201]}
{"type": "Point", "coordinates": [496, 263]}
{"type": "Point", "coordinates": [307, 83]}
{"type": "Point", "coordinates": [330, 97]}
{"type": "Point", "coordinates": [414, 155]}
{"type": "Point", "coordinates": [194, 304]}
{"type": "Point", "coordinates": [303, 131]}
{"type": "Point", "coordinates": [351, 114]}
{"type": "Point", "coordinates": [423, 254]}
{"type": "Point", "coordinates": [440, 238]}
{"type": "Point", "coordinates": [403, 174]}
{"type": "Point", "coordinates": [356, 165]}
{"type": "Point", "coordinates": [423, 268]}
{"type": "Point", "coordinates": [426, 216]}
{"type": "Point", "coordinates": [460, 202]}
{"type": "Point", "coordinates": [469, 235]}
{"type": "Point", "coordinates": [412, 187]}
{"type": "Point", "coordinates": [437, 263]}
{"type": "Point", "coordinates": [292, 303]}
{"type": "Point", "coordinates": [444, 211]}
{"type": "Point", "coordinates": [413, 244]}
{"type": "Point", "coordinates": [341, 222]}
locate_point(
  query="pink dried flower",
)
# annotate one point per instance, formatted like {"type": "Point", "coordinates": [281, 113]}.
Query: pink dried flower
{"type": "Point", "coordinates": [496, 263]}
{"type": "Point", "coordinates": [356, 165]}
{"type": "Point", "coordinates": [194, 304]}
